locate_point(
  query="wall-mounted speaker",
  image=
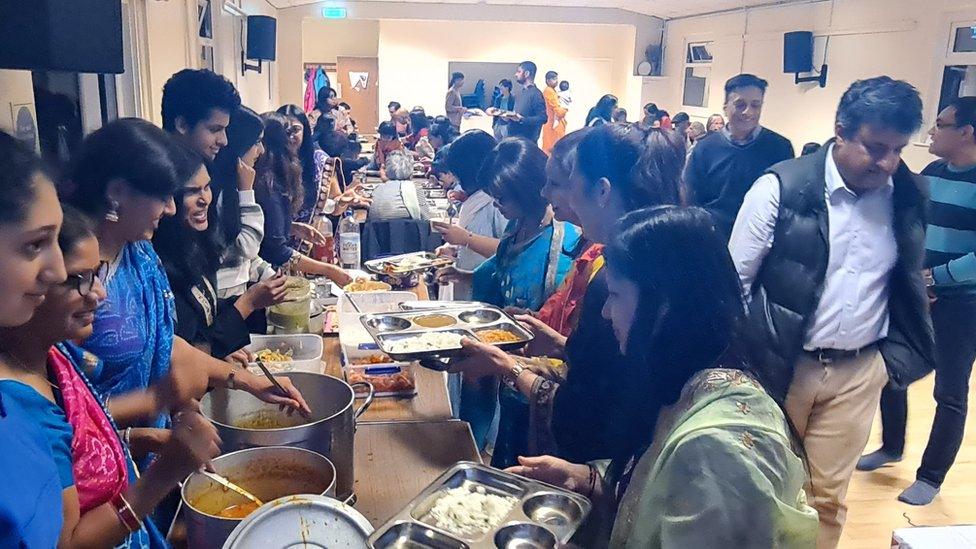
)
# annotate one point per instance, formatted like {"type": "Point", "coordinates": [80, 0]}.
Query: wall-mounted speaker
{"type": "Point", "coordinates": [798, 52]}
{"type": "Point", "coordinates": [261, 32]}
{"type": "Point", "coordinates": [75, 35]}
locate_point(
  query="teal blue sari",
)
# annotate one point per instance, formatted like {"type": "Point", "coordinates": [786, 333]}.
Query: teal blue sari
{"type": "Point", "coordinates": [519, 275]}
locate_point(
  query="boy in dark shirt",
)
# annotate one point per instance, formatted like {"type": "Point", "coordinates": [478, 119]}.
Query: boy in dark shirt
{"type": "Point", "coordinates": [950, 259]}
{"type": "Point", "coordinates": [723, 166]}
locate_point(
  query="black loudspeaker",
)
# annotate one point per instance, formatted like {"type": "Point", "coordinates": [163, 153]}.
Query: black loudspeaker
{"type": "Point", "coordinates": [798, 52]}
{"type": "Point", "coordinates": [68, 35]}
{"type": "Point", "coordinates": [261, 31]}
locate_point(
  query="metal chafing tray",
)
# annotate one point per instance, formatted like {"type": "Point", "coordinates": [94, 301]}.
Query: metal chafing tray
{"type": "Point", "coordinates": [391, 265]}
{"type": "Point", "coordinates": [388, 329]}
{"type": "Point", "coordinates": [543, 516]}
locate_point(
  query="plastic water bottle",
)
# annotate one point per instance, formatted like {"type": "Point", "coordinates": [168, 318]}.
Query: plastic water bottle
{"type": "Point", "coordinates": [325, 252]}
{"type": "Point", "coordinates": [349, 246]}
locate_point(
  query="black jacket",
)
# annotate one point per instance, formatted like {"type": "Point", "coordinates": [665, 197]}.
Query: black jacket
{"type": "Point", "coordinates": [790, 281]}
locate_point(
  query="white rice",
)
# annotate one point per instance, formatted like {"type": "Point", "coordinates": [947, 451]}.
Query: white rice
{"type": "Point", "coordinates": [466, 512]}
{"type": "Point", "coordinates": [427, 341]}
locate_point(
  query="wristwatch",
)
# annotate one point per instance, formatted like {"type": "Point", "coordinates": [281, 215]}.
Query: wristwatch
{"type": "Point", "coordinates": [511, 378]}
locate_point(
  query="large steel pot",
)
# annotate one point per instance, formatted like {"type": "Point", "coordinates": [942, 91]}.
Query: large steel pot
{"type": "Point", "coordinates": [268, 473]}
{"type": "Point", "coordinates": [329, 432]}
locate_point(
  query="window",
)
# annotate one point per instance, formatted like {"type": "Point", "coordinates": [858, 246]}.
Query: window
{"type": "Point", "coordinates": [698, 68]}
{"type": "Point", "coordinates": [959, 66]}
{"type": "Point", "coordinates": [205, 35]}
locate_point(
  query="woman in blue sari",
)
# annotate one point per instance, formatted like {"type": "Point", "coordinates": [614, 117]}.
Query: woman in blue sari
{"type": "Point", "coordinates": [94, 458]}
{"type": "Point", "coordinates": [125, 176]}
{"type": "Point", "coordinates": [528, 266]}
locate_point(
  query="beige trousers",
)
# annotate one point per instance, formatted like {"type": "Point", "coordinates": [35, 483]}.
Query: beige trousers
{"type": "Point", "coordinates": [832, 407]}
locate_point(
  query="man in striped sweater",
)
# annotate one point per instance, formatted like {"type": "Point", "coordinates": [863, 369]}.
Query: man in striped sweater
{"type": "Point", "coordinates": [951, 275]}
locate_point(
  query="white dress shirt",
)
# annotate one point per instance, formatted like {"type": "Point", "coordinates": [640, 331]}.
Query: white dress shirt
{"type": "Point", "coordinates": [853, 307]}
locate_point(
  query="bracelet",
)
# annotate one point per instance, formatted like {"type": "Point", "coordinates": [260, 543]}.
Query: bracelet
{"type": "Point", "coordinates": [125, 513]}
{"type": "Point", "coordinates": [127, 436]}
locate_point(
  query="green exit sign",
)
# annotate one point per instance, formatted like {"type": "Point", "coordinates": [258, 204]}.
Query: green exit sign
{"type": "Point", "coordinates": [334, 13]}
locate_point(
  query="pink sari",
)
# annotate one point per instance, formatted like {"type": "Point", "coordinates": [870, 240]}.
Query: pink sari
{"type": "Point", "coordinates": [98, 460]}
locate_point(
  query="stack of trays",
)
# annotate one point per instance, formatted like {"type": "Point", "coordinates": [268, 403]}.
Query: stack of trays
{"type": "Point", "coordinates": [542, 516]}
{"type": "Point", "coordinates": [416, 335]}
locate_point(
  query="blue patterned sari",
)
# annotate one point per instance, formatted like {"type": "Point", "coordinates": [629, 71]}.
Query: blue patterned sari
{"type": "Point", "coordinates": [133, 331]}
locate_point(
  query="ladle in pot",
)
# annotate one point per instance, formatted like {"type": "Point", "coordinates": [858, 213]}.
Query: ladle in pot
{"type": "Point", "coordinates": [230, 485]}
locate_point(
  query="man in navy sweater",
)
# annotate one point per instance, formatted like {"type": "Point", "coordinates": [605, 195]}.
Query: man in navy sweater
{"type": "Point", "coordinates": [723, 165]}
{"type": "Point", "coordinates": [530, 107]}
{"type": "Point", "coordinates": [950, 256]}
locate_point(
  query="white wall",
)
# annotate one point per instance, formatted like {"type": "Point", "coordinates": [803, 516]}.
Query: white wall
{"type": "Point", "coordinates": [16, 88]}
{"type": "Point", "coordinates": [171, 47]}
{"type": "Point", "coordinates": [481, 21]}
{"type": "Point", "coordinates": [905, 39]}
{"type": "Point", "coordinates": [595, 59]}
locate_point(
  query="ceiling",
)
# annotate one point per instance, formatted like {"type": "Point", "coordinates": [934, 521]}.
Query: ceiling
{"type": "Point", "coordinates": [665, 9]}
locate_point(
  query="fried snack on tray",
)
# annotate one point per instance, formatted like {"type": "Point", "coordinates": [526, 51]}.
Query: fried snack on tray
{"type": "Point", "coordinates": [395, 383]}
{"type": "Point", "coordinates": [375, 358]}
{"type": "Point", "coordinates": [366, 285]}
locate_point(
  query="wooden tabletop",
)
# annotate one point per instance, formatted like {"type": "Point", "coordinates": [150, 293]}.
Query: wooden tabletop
{"type": "Point", "coordinates": [395, 461]}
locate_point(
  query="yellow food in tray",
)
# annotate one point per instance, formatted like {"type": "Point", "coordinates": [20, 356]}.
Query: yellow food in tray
{"type": "Point", "coordinates": [497, 336]}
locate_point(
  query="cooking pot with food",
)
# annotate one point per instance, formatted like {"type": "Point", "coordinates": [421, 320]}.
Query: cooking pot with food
{"type": "Point", "coordinates": [212, 511]}
{"type": "Point", "coordinates": [243, 421]}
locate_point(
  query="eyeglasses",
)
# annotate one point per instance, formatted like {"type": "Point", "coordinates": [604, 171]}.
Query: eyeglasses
{"type": "Point", "coordinates": [84, 283]}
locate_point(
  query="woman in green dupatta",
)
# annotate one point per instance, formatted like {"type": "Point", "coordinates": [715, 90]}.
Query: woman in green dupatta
{"type": "Point", "coordinates": [706, 456]}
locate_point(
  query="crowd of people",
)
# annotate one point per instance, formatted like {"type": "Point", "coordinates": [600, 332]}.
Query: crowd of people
{"type": "Point", "coordinates": [715, 321]}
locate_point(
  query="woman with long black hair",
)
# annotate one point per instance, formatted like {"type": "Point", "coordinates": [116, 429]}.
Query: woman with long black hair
{"type": "Point", "coordinates": [190, 248]}
{"type": "Point", "coordinates": [280, 193]}
{"type": "Point", "coordinates": [239, 217]}
{"type": "Point", "coordinates": [706, 456]}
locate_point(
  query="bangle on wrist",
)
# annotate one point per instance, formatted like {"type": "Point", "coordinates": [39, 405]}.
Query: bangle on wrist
{"type": "Point", "coordinates": [127, 516]}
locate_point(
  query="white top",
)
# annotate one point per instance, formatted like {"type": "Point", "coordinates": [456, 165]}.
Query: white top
{"type": "Point", "coordinates": [480, 216]}
{"type": "Point", "coordinates": [248, 243]}
{"type": "Point", "coordinates": [853, 308]}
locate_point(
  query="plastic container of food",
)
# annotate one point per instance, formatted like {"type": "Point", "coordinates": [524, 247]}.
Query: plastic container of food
{"type": "Point", "coordinates": [389, 378]}
{"type": "Point", "coordinates": [305, 351]}
{"type": "Point", "coordinates": [292, 315]}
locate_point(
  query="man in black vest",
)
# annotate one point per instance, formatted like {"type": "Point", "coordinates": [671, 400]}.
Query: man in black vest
{"type": "Point", "coordinates": [829, 248]}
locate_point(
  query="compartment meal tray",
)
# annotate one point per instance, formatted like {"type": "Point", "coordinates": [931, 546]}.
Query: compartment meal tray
{"type": "Point", "coordinates": [544, 515]}
{"type": "Point", "coordinates": [387, 329]}
{"type": "Point", "coordinates": [390, 265]}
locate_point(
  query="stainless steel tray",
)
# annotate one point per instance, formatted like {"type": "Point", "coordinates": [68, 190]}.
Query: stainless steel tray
{"type": "Point", "coordinates": [544, 516]}
{"type": "Point", "coordinates": [389, 265]}
{"type": "Point", "coordinates": [388, 328]}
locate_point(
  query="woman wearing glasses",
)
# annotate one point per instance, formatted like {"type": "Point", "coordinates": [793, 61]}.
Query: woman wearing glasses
{"type": "Point", "coordinates": [125, 177]}
{"type": "Point", "coordinates": [104, 502]}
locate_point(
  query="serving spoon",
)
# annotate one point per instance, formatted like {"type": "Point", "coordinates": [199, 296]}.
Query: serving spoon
{"type": "Point", "coordinates": [230, 485]}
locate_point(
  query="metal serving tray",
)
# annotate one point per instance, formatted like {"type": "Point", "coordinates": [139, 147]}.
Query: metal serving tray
{"type": "Point", "coordinates": [389, 328]}
{"type": "Point", "coordinates": [389, 265]}
{"type": "Point", "coordinates": [544, 516]}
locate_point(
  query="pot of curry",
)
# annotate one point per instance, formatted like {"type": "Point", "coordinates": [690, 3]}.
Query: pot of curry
{"type": "Point", "coordinates": [213, 511]}
{"type": "Point", "coordinates": [244, 421]}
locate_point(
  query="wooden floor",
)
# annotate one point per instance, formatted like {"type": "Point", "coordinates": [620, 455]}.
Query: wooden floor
{"type": "Point", "coordinates": [874, 508]}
